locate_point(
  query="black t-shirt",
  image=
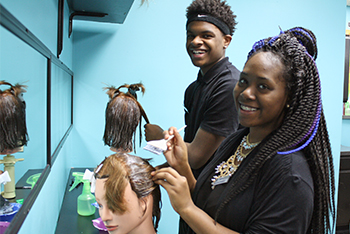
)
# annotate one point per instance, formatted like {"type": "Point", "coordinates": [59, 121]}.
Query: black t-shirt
{"type": "Point", "coordinates": [209, 102]}
{"type": "Point", "coordinates": [280, 199]}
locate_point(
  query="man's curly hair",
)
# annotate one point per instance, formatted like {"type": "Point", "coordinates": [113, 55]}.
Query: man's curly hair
{"type": "Point", "coordinates": [216, 8]}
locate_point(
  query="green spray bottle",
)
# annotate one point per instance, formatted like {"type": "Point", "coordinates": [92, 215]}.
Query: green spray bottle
{"type": "Point", "coordinates": [347, 107]}
{"type": "Point", "coordinates": [86, 198]}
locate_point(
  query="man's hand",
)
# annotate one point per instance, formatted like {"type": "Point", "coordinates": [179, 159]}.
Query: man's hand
{"type": "Point", "coordinates": [153, 132]}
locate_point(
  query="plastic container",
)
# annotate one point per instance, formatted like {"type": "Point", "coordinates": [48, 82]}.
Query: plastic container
{"type": "Point", "coordinates": [9, 216]}
{"type": "Point", "coordinates": [3, 226]}
{"type": "Point", "coordinates": [347, 108]}
{"type": "Point", "coordinates": [33, 179]}
{"type": "Point", "coordinates": [98, 223]}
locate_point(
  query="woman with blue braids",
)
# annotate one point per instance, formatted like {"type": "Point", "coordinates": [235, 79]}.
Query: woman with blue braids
{"type": "Point", "coordinates": [275, 175]}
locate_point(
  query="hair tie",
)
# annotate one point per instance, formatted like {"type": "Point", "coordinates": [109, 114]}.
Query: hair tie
{"type": "Point", "coordinates": [133, 91]}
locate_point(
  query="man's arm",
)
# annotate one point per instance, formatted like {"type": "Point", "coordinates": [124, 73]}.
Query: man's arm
{"type": "Point", "coordinates": [202, 148]}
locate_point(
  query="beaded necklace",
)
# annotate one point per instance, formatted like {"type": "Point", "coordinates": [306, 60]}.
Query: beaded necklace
{"type": "Point", "coordinates": [226, 169]}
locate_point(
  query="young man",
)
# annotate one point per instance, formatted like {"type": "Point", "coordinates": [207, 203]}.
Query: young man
{"type": "Point", "coordinates": [210, 114]}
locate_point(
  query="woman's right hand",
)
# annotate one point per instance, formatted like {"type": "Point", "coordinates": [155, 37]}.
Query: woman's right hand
{"type": "Point", "coordinates": [176, 154]}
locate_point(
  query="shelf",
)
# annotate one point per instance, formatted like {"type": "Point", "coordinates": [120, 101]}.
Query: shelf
{"type": "Point", "coordinates": [69, 221]}
{"type": "Point", "coordinates": [115, 10]}
{"type": "Point", "coordinates": [344, 151]}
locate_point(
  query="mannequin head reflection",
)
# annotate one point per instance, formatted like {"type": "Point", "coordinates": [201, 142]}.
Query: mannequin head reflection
{"type": "Point", "coordinates": [123, 114]}
{"type": "Point", "coordinates": [13, 130]}
{"type": "Point", "coordinates": [129, 201]}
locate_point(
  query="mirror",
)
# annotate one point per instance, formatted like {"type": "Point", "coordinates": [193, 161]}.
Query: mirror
{"type": "Point", "coordinates": [61, 105]}
{"type": "Point", "coordinates": [26, 60]}
{"type": "Point", "coordinates": [14, 68]}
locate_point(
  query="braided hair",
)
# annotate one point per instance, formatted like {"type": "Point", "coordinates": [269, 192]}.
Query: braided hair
{"type": "Point", "coordinates": [218, 9]}
{"type": "Point", "coordinates": [13, 128]}
{"type": "Point", "coordinates": [123, 114]}
{"type": "Point", "coordinates": [303, 127]}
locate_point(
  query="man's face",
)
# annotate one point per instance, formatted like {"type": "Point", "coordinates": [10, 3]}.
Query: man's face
{"type": "Point", "coordinates": [205, 44]}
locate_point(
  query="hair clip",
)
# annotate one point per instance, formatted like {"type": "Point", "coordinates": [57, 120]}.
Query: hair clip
{"type": "Point", "coordinates": [98, 168]}
{"type": "Point", "coordinates": [116, 93]}
{"type": "Point", "coordinates": [95, 204]}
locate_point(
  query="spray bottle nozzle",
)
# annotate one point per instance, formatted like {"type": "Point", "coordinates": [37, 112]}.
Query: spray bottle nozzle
{"type": "Point", "coordinates": [77, 180]}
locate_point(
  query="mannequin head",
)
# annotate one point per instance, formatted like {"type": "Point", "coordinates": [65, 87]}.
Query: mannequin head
{"type": "Point", "coordinates": [13, 130]}
{"type": "Point", "coordinates": [123, 114]}
{"type": "Point", "coordinates": [128, 198]}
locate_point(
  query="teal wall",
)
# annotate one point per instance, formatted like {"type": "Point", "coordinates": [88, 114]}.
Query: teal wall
{"type": "Point", "coordinates": [150, 47]}
{"type": "Point", "coordinates": [43, 216]}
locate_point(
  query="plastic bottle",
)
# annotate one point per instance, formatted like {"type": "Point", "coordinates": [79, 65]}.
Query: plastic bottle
{"type": "Point", "coordinates": [33, 179]}
{"type": "Point", "coordinates": [347, 108]}
{"type": "Point", "coordinates": [86, 198]}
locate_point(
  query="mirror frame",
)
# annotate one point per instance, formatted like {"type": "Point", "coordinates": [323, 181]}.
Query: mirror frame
{"type": "Point", "coordinates": [9, 22]}
{"type": "Point", "coordinates": [346, 68]}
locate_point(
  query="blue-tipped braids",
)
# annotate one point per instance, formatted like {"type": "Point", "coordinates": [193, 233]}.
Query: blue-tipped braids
{"type": "Point", "coordinates": [314, 128]}
{"type": "Point", "coordinates": [303, 127]}
{"type": "Point", "coordinates": [315, 124]}
{"type": "Point", "coordinates": [259, 44]}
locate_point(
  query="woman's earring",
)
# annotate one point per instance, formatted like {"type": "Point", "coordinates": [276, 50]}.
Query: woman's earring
{"type": "Point", "coordinates": [225, 47]}
{"type": "Point", "coordinates": [288, 106]}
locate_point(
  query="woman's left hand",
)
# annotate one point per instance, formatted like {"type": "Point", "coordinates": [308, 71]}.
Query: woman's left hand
{"type": "Point", "coordinates": [176, 186]}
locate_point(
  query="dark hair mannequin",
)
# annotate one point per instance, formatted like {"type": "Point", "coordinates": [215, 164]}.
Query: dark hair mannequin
{"type": "Point", "coordinates": [123, 114]}
{"type": "Point", "coordinates": [13, 130]}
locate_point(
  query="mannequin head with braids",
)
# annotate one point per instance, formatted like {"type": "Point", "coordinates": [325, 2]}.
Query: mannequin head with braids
{"type": "Point", "coordinates": [279, 98]}
{"type": "Point", "coordinates": [13, 129]}
{"type": "Point", "coordinates": [123, 114]}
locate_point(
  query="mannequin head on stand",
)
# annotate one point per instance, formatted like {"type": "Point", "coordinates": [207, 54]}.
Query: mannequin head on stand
{"type": "Point", "coordinates": [128, 198]}
{"type": "Point", "coordinates": [123, 114]}
{"type": "Point", "coordinates": [13, 128]}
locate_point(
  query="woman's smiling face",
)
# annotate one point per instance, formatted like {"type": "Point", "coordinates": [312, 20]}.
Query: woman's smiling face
{"type": "Point", "coordinates": [261, 94]}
